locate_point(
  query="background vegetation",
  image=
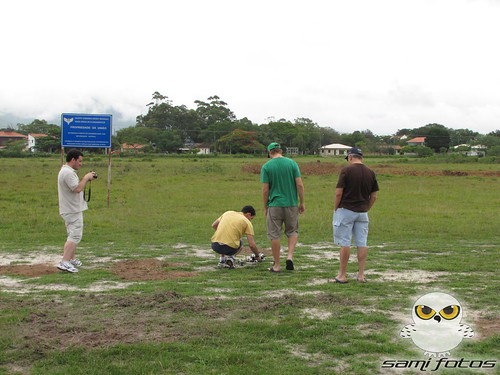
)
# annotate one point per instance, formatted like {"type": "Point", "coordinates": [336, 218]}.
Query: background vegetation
{"type": "Point", "coordinates": [166, 128]}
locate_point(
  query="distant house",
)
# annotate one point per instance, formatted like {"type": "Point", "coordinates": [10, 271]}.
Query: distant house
{"type": "Point", "coordinates": [418, 141]}
{"type": "Point", "coordinates": [478, 150]}
{"type": "Point", "coordinates": [397, 149]}
{"type": "Point", "coordinates": [32, 137]}
{"type": "Point", "coordinates": [204, 148]}
{"type": "Point", "coordinates": [399, 137]}
{"type": "Point", "coordinates": [334, 149]}
{"type": "Point", "coordinates": [8, 136]}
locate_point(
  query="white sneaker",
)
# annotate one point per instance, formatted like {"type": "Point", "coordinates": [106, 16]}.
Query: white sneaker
{"type": "Point", "coordinates": [76, 263]}
{"type": "Point", "coordinates": [230, 262]}
{"type": "Point", "coordinates": [66, 266]}
{"type": "Point", "coordinates": [222, 262]}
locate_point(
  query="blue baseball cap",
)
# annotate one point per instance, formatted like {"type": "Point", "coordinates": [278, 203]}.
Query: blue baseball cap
{"type": "Point", "coordinates": [354, 151]}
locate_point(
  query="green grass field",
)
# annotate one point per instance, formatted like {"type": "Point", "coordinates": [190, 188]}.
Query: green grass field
{"type": "Point", "coordinates": [433, 228]}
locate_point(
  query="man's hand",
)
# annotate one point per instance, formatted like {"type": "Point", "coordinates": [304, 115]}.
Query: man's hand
{"type": "Point", "coordinates": [89, 176]}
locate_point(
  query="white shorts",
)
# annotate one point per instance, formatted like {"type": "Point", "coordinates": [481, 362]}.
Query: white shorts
{"type": "Point", "coordinates": [348, 224]}
{"type": "Point", "coordinates": [74, 226]}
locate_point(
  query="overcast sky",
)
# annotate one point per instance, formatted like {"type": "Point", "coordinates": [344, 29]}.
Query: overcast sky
{"type": "Point", "coordinates": [352, 65]}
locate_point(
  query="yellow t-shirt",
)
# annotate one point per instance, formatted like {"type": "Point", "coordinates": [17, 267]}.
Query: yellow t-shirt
{"type": "Point", "coordinates": [232, 226]}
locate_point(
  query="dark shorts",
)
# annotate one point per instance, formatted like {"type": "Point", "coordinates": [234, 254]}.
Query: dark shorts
{"type": "Point", "coordinates": [220, 248]}
{"type": "Point", "coordinates": [277, 216]}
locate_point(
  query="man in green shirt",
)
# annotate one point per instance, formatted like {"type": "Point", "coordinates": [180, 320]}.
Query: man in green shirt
{"type": "Point", "coordinates": [282, 184]}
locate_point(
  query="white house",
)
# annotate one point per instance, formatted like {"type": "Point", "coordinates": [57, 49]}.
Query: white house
{"type": "Point", "coordinates": [334, 149]}
{"type": "Point", "coordinates": [204, 148]}
{"type": "Point", "coordinates": [477, 150]}
{"type": "Point", "coordinates": [32, 140]}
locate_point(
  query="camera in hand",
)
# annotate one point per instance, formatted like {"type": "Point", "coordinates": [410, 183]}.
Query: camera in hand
{"type": "Point", "coordinates": [95, 175]}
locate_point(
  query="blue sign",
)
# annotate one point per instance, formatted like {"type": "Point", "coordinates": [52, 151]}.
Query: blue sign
{"type": "Point", "coordinates": [82, 130]}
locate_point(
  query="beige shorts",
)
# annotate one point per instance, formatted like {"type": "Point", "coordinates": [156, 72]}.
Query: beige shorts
{"type": "Point", "coordinates": [277, 216]}
{"type": "Point", "coordinates": [74, 226]}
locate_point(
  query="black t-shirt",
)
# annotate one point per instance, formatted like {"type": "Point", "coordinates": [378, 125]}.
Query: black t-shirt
{"type": "Point", "coordinates": [358, 182]}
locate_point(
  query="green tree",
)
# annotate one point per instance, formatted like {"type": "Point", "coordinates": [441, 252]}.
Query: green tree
{"type": "Point", "coordinates": [240, 141]}
{"type": "Point", "coordinates": [162, 115]}
{"type": "Point", "coordinates": [133, 135]}
{"type": "Point", "coordinates": [40, 127]}
{"type": "Point", "coordinates": [353, 139]}
{"type": "Point", "coordinates": [436, 136]}
{"type": "Point", "coordinates": [216, 111]}
{"type": "Point", "coordinates": [168, 141]}
{"type": "Point", "coordinates": [48, 144]}
{"type": "Point", "coordinates": [462, 136]}
{"type": "Point", "coordinates": [217, 118]}
{"type": "Point", "coordinates": [424, 151]}
{"type": "Point", "coordinates": [308, 136]}
{"type": "Point", "coordinates": [493, 151]}
{"type": "Point", "coordinates": [329, 135]}
{"type": "Point", "coordinates": [495, 133]}
{"type": "Point", "coordinates": [488, 140]}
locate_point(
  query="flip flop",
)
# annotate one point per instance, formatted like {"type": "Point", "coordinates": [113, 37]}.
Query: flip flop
{"type": "Point", "coordinates": [360, 281]}
{"type": "Point", "coordinates": [337, 281]}
{"type": "Point", "coordinates": [289, 265]}
{"type": "Point", "coordinates": [273, 270]}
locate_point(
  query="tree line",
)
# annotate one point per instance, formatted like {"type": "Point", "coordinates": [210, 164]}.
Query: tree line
{"type": "Point", "coordinates": [166, 128]}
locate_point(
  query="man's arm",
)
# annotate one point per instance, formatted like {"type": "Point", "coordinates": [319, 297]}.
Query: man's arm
{"type": "Point", "coordinates": [265, 195]}
{"type": "Point", "coordinates": [253, 246]}
{"type": "Point", "coordinates": [373, 198]}
{"type": "Point", "coordinates": [338, 197]}
{"type": "Point", "coordinates": [300, 191]}
{"type": "Point", "coordinates": [81, 185]}
{"type": "Point", "coordinates": [215, 224]}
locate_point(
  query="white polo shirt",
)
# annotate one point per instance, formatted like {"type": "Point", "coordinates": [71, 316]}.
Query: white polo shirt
{"type": "Point", "coordinates": [69, 202]}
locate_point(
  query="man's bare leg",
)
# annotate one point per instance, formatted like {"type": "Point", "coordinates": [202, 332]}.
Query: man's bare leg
{"type": "Point", "coordinates": [69, 251]}
{"type": "Point", "coordinates": [345, 253]}
{"type": "Point", "coordinates": [276, 248]}
{"type": "Point", "coordinates": [362, 255]}
{"type": "Point", "coordinates": [292, 242]}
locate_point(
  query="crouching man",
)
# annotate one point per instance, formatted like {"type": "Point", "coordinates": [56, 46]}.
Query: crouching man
{"type": "Point", "coordinates": [227, 239]}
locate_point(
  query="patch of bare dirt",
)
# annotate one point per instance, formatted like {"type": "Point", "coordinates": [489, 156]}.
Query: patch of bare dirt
{"type": "Point", "coordinates": [134, 270]}
{"type": "Point", "coordinates": [31, 270]}
{"type": "Point", "coordinates": [148, 270]}
{"type": "Point", "coordinates": [306, 169]}
{"type": "Point", "coordinates": [245, 250]}
{"type": "Point", "coordinates": [89, 320]}
{"type": "Point", "coordinates": [488, 326]}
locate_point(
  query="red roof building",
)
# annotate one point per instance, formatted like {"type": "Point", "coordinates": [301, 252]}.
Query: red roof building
{"type": "Point", "coordinates": [418, 141]}
{"type": "Point", "coordinates": [8, 136]}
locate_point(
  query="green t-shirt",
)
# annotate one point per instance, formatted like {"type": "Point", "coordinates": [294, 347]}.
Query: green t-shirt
{"type": "Point", "coordinates": [280, 173]}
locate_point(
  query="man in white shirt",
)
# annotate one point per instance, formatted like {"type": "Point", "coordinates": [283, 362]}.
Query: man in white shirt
{"type": "Point", "coordinates": [71, 206]}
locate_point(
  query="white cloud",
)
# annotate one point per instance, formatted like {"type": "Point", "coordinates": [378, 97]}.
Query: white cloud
{"type": "Point", "coordinates": [353, 65]}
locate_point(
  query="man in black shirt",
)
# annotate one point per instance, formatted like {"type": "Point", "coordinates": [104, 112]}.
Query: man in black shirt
{"type": "Point", "coordinates": [355, 194]}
